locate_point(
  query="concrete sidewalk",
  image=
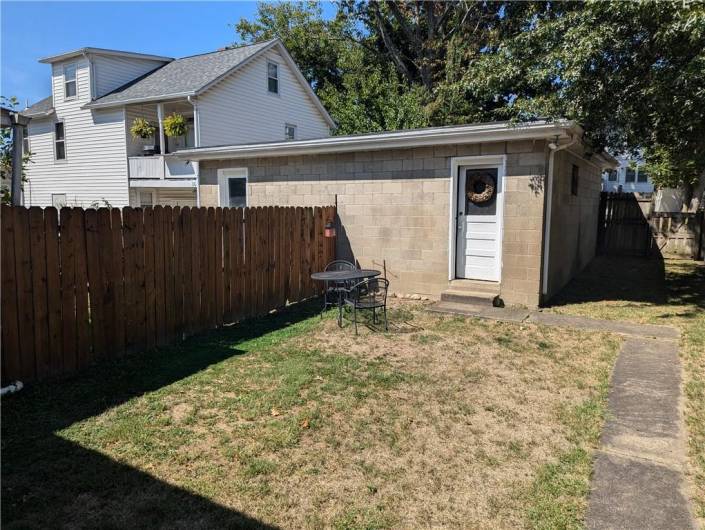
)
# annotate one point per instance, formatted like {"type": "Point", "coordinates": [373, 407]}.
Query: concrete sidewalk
{"type": "Point", "coordinates": [638, 480]}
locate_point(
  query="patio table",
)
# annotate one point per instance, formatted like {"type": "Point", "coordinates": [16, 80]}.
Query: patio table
{"type": "Point", "coordinates": [344, 276]}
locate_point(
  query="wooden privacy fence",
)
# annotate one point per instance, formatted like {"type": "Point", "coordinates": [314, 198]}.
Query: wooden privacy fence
{"type": "Point", "coordinates": [91, 284]}
{"type": "Point", "coordinates": [623, 227]}
{"type": "Point", "coordinates": [628, 226]}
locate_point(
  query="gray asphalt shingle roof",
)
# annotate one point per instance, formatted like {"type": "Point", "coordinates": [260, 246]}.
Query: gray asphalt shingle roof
{"type": "Point", "coordinates": [182, 76]}
{"type": "Point", "coordinates": [41, 107]}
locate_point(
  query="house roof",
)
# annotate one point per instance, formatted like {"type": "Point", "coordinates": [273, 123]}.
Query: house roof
{"type": "Point", "coordinates": [183, 77]}
{"type": "Point", "coordinates": [429, 136]}
{"type": "Point", "coordinates": [43, 107]}
{"type": "Point", "coordinates": [102, 51]}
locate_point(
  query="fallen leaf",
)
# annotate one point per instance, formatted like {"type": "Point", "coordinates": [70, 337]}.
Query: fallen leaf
{"type": "Point", "coordinates": [305, 424]}
{"type": "Point", "coordinates": [275, 412]}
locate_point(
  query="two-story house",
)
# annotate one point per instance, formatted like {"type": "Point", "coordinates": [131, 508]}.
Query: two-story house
{"type": "Point", "coordinates": [630, 177]}
{"type": "Point", "coordinates": [83, 151]}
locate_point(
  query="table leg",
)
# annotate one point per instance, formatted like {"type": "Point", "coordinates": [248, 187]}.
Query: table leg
{"type": "Point", "coordinates": [340, 310]}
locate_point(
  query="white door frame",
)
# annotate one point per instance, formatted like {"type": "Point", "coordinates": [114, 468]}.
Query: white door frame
{"type": "Point", "coordinates": [495, 161]}
{"type": "Point", "coordinates": [226, 173]}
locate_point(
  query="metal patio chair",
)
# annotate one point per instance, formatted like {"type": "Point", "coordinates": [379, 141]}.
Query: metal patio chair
{"type": "Point", "coordinates": [333, 288]}
{"type": "Point", "coordinates": [368, 294]}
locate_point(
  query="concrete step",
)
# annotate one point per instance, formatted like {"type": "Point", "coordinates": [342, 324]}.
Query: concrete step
{"type": "Point", "coordinates": [464, 296]}
{"type": "Point", "coordinates": [475, 286]}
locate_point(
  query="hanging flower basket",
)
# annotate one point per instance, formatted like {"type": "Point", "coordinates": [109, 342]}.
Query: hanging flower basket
{"type": "Point", "coordinates": [481, 188]}
{"type": "Point", "coordinates": [175, 125]}
{"type": "Point", "coordinates": [141, 128]}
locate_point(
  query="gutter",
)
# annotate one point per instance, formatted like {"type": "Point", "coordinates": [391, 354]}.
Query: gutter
{"type": "Point", "coordinates": [554, 147]}
{"type": "Point", "coordinates": [197, 141]}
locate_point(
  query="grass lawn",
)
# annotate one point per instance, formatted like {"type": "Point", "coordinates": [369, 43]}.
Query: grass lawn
{"type": "Point", "coordinates": [287, 421]}
{"type": "Point", "coordinates": [670, 292]}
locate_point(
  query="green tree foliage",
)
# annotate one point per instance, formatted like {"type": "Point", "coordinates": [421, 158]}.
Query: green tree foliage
{"type": "Point", "coordinates": [632, 73]}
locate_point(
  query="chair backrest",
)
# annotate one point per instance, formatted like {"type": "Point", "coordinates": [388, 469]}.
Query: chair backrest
{"type": "Point", "coordinates": [371, 289]}
{"type": "Point", "coordinates": [340, 265]}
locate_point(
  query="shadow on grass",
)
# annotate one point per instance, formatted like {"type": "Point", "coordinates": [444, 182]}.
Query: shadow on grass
{"type": "Point", "coordinates": [49, 482]}
{"type": "Point", "coordinates": [641, 281]}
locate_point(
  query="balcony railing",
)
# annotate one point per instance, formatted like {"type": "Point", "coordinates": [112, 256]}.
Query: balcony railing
{"type": "Point", "coordinates": [161, 167]}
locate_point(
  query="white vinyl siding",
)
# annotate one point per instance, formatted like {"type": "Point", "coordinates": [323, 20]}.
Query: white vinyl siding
{"type": "Point", "coordinates": [240, 109]}
{"type": "Point", "coordinates": [113, 72]}
{"type": "Point", "coordinates": [95, 169]}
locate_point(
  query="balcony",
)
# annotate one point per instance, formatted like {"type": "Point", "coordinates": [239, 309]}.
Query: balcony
{"type": "Point", "coordinates": [166, 169]}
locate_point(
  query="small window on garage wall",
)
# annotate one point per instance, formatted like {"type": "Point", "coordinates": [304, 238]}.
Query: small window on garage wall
{"type": "Point", "coordinates": [574, 180]}
{"type": "Point", "coordinates": [58, 200]}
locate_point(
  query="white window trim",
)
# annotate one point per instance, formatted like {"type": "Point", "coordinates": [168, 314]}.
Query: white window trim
{"type": "Point", "coordinates": [66, 152]}
{"type": "Point", "coordinates": [75, 80]}
{"type": "Point", "coordinates": [224, 175]}
{"type": "Point", "coordinates": [278, 78]}
{"type": "Point", "coordinates": [495, 161]}
{"type": "Point", "coordinates": [286, 126]}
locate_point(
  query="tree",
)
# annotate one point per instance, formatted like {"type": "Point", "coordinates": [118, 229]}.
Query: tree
{"type": "Point", "coordinates": [632, 73]}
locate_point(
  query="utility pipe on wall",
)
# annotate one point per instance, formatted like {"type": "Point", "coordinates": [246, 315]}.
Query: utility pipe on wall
{"type": "Point", "coordinates": [554, 147]}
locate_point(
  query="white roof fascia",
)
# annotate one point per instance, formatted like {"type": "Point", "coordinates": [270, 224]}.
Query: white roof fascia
{"type": "Point", "coordinates": [165, 97]}
{"type": "Point", "coordinates": [491, 132]}
{"type": "Point", "coordinates": [102, 51]}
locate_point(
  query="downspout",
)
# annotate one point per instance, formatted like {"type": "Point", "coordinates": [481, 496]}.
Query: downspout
{"type": "Point", "coordinates": [554, 147]}
{"type": "Point", "coordinates": [197, 142]}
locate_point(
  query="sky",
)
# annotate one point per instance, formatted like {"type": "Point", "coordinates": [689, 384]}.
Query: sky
{"type": "Point", "coordinates": [32, 30]}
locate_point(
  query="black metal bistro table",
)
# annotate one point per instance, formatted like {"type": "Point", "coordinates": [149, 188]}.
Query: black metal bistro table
{"type": "Point", "coordinates": [344, 276]}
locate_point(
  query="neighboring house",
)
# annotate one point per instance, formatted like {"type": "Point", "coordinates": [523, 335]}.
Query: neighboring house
{"type": "Point", "coordinates": [467, 212]}
{"type": "Point", "coordinates": [630, 177]}
{"type": "Point", "coordinates": [79, 136]}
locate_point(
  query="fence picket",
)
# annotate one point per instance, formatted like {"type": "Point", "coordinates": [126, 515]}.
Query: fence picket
{"type": "Point", "coordinates": [11, 355]}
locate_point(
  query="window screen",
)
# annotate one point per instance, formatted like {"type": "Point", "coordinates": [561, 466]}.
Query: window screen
{"type": "Point", "coordinates": [59, 141]}
{"type": "Point", "coordinates": [70, 81]}
{"type": "Point", "coordinates": [237, 192]}
{"type": "Point", "coordinates": [630, 175]}
{"type": "Point", "coordinates": [273, 78]}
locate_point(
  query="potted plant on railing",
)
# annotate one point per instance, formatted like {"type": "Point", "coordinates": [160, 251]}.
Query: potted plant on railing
{"type": "Point", "coordinates": [175, 125]}
{"type": "Point", "coordinates": [141, 128]}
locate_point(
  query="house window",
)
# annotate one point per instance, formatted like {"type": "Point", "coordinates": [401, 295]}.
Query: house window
{"type": "Point", "coordinates": [289, 132]}
{"type": "Point", "coordinates": [642, 175]}
{"type": "Point", "coordinates": [237, 192]}
{"type": "Point", "coordinates": [574, 180]}
{"type": "Point", "coordinates": [146, 199]}
{"type": "Point", "coordinates": [70, 81]}
{"type": "Point", "coordinates": [59, 141]}
{"type": "Point", "coordinates": [630, 175]}
{"type": "Point", "coordinates": [58, 200]}
{"type": "Point", "coordinates": [273, 77]}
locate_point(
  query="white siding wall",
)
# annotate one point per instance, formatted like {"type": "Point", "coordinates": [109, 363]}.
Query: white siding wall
{"type": "Point", "coordinates": [112, 72]}
{"type": "Point", "coordinates": [95, 168]}
{"type": "Point", "coordinates": [239, 109]}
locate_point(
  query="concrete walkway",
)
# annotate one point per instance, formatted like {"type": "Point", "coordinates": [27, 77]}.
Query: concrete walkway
{"type": "Point", "coordinates": [638, 480]}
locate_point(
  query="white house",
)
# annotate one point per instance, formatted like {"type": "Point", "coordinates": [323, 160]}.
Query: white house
{"type": "Point", "coordinates": [629, 177]}
{"type": "Point", "coordinates": [83, 153]}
